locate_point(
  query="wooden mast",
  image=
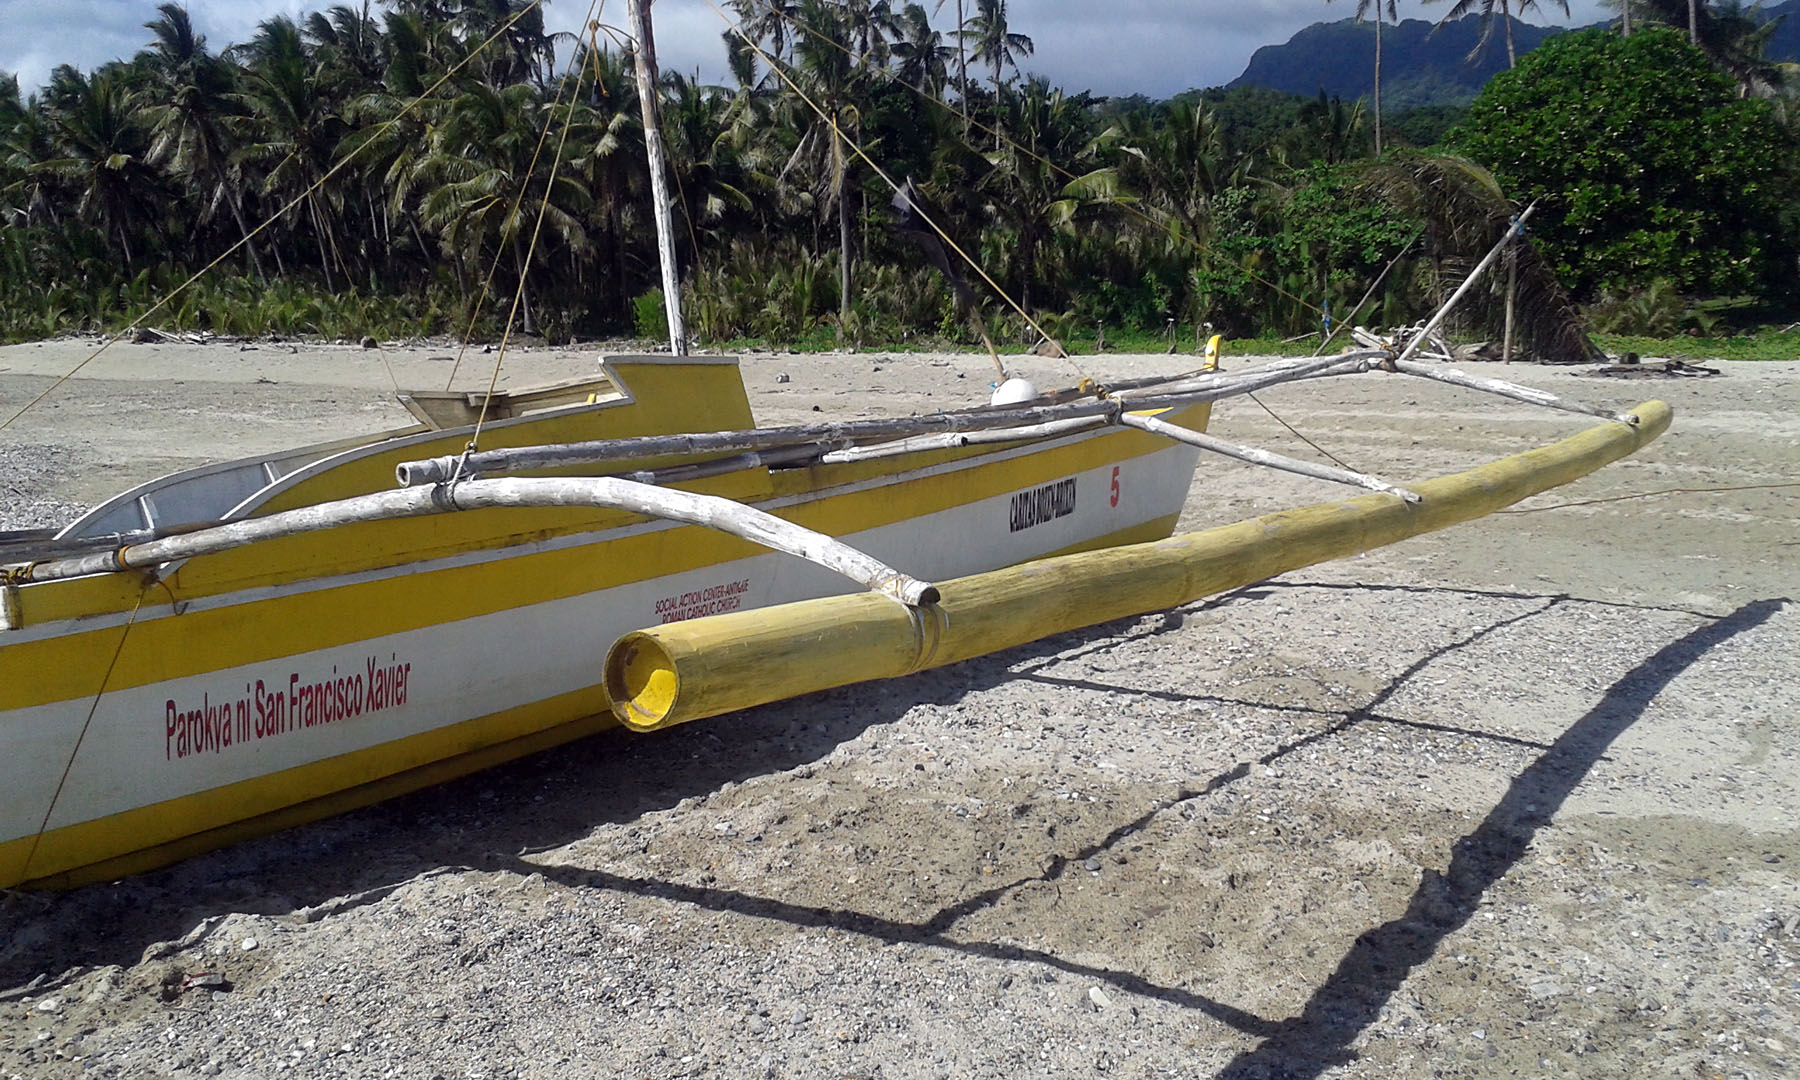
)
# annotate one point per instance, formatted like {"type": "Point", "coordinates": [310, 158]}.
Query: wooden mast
{"type": "Point", "coordinates": [645, 52]}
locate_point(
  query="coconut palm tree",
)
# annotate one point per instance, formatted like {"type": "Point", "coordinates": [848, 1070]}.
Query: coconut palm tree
{"type": "Point", "coordinates": [24, 142]}
{"type": "Point", "coordinates": [962, 60]}
{"type": "Point", "coordinates": [995, 42]}
{"type": "Point", "coordinates": [922, 56]}
{"type": "Point", "coordinates": [1027, 192]}
{"type": "Point", "coordinates": [1730, 37]}
{"type": "Point", "coordinates": [100, 153]}
{"type": "Point", "coordinates": [1363, 7]}
{"type": "Point", "coordinates": [483, 192]}
{"type": "Point", "coordinates": [295, 127]}
{"type": "Point", "coordinates": [828, 71]}
{"type": "Point", "coordinates": [1176, 168]}
{"type": "Point", "coordinates": [709, 175]}
{"type": "Point", "coordinates": [190, 109]}
{"type": "Point", "coordinates": [1488, 10]}
{"type": "Point", "coordinates": [524, 51]}
{"type": "Point", "coordinates": [348, 42]}
{"type": "Point", "coordinates": [872, 23]}
{"type": "Point", "coordinates": [770, 22]}
{"type": "Point", "coordinates": [1464, 212]}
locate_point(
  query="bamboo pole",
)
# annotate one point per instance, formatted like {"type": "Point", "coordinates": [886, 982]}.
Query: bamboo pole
{"type": "Point", "coordinates": [1512, 293]}
{"type": "Point", "coordinates": [1189, 391]}
{"type": "Point", "coordinates": [954, 439]}
{"type": "Point", "coordinates": [1266, 458]}
{"type": "Point", "coordinates": [644, 36]}
{"type": "Point", "coordinates": [606, 493]}
{"type": "Point", "coordinates": [1529, 395]}
{"type": "Point", "coordinates": [1449, 305]}
{"type": "Point", "coordinates": [685, 671]}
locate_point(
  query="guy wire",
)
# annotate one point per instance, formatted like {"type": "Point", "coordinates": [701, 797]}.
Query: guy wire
{"type": "Point", "coordinates": [998, 135]}
{"type": "Point", "coordinates": [530, 6]}
{"type": "Point", "coordinates": [837, 132]}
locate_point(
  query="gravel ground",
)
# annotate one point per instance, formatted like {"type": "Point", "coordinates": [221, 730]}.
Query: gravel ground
{"type": "Point", "coordinates": [1517, 799]}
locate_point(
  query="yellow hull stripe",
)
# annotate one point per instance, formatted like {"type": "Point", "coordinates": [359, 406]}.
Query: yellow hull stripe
{"type": "Point", "coordinates": [175, 829]}
{"type": "Point", "coordinates": [69, 666]}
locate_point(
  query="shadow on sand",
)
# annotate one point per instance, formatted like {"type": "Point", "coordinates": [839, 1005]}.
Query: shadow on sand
{"type": "Point", "coordinates": [490, 821]}
{"type": "Point", "coordinates": [1319, 1038]}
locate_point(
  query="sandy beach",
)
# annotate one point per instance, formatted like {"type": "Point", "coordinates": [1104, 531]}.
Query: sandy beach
{"type": "Point", "coordinates": [1517, 799]}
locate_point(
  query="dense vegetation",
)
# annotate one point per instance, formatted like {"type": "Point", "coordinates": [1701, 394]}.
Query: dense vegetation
{"type": "Point", "coordinates": [1647, 163]}
{"type": "Point", "coordinates": [425, 179]}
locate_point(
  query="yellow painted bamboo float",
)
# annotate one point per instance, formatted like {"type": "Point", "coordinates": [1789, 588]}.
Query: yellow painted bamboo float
{"type": "Point", "coordinates": [690, 670]}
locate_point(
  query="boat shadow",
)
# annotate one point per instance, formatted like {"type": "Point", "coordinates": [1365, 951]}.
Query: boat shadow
{"type": "Point", "coordinates": [495, 820]}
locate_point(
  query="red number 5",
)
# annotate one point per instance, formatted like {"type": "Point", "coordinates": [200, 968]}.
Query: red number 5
{"type": "Point", "coordinates": [1115, 486]}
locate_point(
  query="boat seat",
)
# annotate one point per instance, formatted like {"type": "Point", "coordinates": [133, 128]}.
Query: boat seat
{"type": "Point", "coordinates": [441, 409]}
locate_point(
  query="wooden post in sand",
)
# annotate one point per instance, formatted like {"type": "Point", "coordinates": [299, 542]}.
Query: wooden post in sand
{"type": "Point", "coordinates": [1512, 291]}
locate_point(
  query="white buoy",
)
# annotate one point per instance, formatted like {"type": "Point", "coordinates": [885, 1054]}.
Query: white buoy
{"type": "Point", "coordinates": [1013, 392]}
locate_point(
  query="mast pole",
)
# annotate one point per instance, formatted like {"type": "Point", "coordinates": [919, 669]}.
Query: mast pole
{"type": "Point", "coordinates": [645, 52]}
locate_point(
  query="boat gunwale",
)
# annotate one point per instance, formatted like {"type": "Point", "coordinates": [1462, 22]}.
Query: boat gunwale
{"type": "Point", "coordinates": [117, 591]}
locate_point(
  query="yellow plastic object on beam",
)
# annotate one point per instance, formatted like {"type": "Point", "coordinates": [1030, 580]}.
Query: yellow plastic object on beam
{"type": "Point", "coordinates": [704, 667]}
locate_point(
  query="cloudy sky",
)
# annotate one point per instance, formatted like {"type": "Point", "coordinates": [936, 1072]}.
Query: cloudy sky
{"type": "Point", "coordinates": [1154, 47]}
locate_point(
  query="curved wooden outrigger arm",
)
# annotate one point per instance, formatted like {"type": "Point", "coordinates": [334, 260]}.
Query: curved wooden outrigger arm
{"type": "Point", "coordinates": [608, 493]}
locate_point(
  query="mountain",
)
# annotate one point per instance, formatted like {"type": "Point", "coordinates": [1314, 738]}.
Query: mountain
{"type": "Point", "coordinates": [1784, 43]}
{"type": "Point", "coordinates": [1418, 67]}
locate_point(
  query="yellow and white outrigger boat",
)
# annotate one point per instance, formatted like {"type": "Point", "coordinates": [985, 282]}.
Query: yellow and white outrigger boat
{"type": "Point", "coordinates": [163, 690]}
{"type": "Point", "coordinates": [233, 649]}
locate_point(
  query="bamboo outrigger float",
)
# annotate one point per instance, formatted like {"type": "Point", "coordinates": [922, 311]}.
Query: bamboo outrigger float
{"type": "Point", "coordinates": [670, 675]}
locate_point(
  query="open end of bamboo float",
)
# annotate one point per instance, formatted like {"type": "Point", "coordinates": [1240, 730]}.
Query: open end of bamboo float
{"type": "Point", "coordinates": [641, 681]}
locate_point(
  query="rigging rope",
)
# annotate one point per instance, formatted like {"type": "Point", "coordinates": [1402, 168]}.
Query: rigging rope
{"type": "Point", "coordinates": [838, 133]}
{"type": "Point", "coordinates": [536, 230]}
{"type": "Point", "coordinates": [279, 214]}
{"type": "Point", "coordinates": [1168, 227]}
{"type": "Point", "coordinates": [487, 283]}
{"type": "Point", "coordinates": [1297, 435]}
{"type": "Point", "coordinates": [1646, 495]}
{"type": "Point", "coordinates": [69, 765]}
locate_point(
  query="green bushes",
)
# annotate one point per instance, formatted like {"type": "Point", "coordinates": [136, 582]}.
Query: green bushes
{"type": "Point", "coordinates": [790, 298]}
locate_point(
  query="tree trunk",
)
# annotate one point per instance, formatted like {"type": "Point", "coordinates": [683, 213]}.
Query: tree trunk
{"type": "Point", "coordinates": [1377, 78]}
{"type": "Point", "coordinates": [1027, 268]}
{"type": "Point", "coordinates": [1512, 292]}
{"type": "Point", "coordinates": [962, 67]}
{"type": "Point", "coordinates": [843, 201]}
{"type": "Point", "coordinates": [1625, 18]}
{"type": "Point", "coordinates": [999, 117]}
{"type": "Point", "coordinates": [1694, 23]}
{"type": "Point", "coordinates": [237, 214]}
{"type": "Point", "coordinates": [312, 209]}
{"type": "Point", "coordinates": [529, 326]}
{"type": "Point", "coordinates": [1512, 58]}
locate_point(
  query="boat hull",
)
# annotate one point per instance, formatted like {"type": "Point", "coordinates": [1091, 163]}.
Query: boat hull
{"type": "Point", "coordinates": [222, 701]}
